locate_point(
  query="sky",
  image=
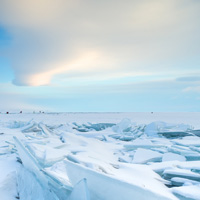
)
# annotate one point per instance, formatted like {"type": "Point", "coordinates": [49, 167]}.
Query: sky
{"type": "Point", "coordinates": [100, 56]}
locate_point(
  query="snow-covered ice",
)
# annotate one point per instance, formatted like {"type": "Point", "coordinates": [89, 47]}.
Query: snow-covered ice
{"type": "Point", "coordinates": [100, 156]}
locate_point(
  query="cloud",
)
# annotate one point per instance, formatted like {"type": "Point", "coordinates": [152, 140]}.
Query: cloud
{"type": "Point", "coordinates": [193, 83]}
{"type": "Point", "coordinates": [195, 89]}
{"type": "Point", "coordinates": [137, 37]}
{"type": "Point", "coordinates": [189, 79]}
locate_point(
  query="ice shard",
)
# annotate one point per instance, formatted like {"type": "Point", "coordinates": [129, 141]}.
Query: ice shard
{"type": "Point", "coordinates": [80, 191]}
{"type": "Point", "coordinates": [106, 187]}
{"type": "Point", "coordinates": [33, 176]}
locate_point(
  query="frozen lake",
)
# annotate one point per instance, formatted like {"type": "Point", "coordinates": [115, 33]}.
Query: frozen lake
{"type": "Point", "coordinates": [100, 156]}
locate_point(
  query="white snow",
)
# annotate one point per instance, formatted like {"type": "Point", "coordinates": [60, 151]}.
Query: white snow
{"type": "Point", "coordinates": [71, 156]}
{"type": "Point", "coordinates": [8, 182]}
{"type": "Point", "coordinates": [106, 187]}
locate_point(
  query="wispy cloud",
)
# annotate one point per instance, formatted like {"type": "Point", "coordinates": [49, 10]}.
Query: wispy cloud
{"type": "Point", "coordinates": [189, 79]}
{"type": "Point", "coordinates": [192, 89]}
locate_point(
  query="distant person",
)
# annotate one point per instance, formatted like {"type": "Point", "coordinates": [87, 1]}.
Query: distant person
{"type": "Point", "coordinates": [20, 111]}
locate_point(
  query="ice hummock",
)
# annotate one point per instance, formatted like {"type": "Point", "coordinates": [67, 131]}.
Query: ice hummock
{"type": "Point", "coordinates": [106, 187]}
{"type": "Point", "coordinates": [122, 150]}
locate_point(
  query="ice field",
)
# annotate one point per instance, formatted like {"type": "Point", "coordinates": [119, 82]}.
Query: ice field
{"type": "Point", "coordinates": [100, 156]}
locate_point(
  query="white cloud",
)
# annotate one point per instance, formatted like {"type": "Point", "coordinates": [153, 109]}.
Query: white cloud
{"type": "Point", "coordinates": [137, 37]}
{"type": "Point", "coordinates": [189, 79]}
{"type": "Point", "coordinates": [192, 89]}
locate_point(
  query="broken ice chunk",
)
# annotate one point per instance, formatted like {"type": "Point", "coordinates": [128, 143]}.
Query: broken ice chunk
{"type": "Point", "coordinates": [123, 126]}
{"type": "Point", "coordinates": [31, 127]}
{"type": "Point", "coordinates": [80, 191]}
{"type": "Point", "coordinates": [162, 166]}
{"type": "Point", "coordinates": [189, 141]}
{"type": "Point", "coordinates": [173, 134]}
{"type": "Point", "coordinates": [58, 172]}
{"type": "Point", "coordinates": [17, 124]}
{"type": "Point", "coordinates": [177, 181]}
{"type": "Point", "coordinates": [196, 132]}
{"type": "Point", "coordinates": [182, 173]}
{"type": "Point", "coordinates": [192, 165]}
{"type": "Point", "coordinates": [45, 130]}
{"type": "Point", "coordinates": [125, 158]}
{"type": "Point", "coordinates": [172, 156]}
{"type": "Point", "coordinates": [34, 177]}
{"type": "Point", "coordinates": [106, 187]}
{"type": "Point", "coordinates": [184, 151]}
{"type": "Point", "coordinates": [191, 192]}
{"type": "Point", "coordinates": [141, 143]}
{"type": "Point", "coordinates": [144, 155]}
{"type": "Point", "coordinates": [167, 129]}
{"type": "Point", "coordinates": [47, 155]}
{"type": "Point", "coordinates": [91, 127]}
{"type": "Point", "coordinates": [31, 188]}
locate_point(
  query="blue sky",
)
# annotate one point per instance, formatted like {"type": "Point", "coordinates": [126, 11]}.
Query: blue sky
{"type": "Point", "coordinates": [100, 55]}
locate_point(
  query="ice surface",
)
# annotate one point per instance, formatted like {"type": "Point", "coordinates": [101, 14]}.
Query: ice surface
{"type": "Point", "coordinates": [104, 187]}
{"type": "Point", "coordinates": [160, 167]}
{"type": "Point", "coordinates": [172, 156]}
{"type": "Point", "coordinates": [8, 178]}
{"type": "Point", "coordinates": [166, 129]}
{"type": "Point", "coordinates": [104, 148]}
{"type": "Point", "coordinates": [184, 151]}
{"type": "Point", "coordinates": [46, 155]}
{"type": "Point", "coordinates": [196, 132]}
{"type": "Point", "coordinates": [80, 191]}
{"type": "Point", "coordinates": [191, 192]}
{"type": "Point", "coordinates": [174, 134]}
{"type": "Point", "coordinates": [58, 172]}
{"type": "Point", "coordinates": [17, 124]}
{"type": "Point", "coordinates": [189, 141]}
{"type": "Point", "coordinates": [177, 181]}
{"type": "Point", "coordinates": [123, 126]}
{"type": "Point", "coordinates": [32, 175]}
{"type": "Point", "coordinates": [127, 131]}
{"type": "Point", "coordinates": [192, 165]}
{"type": "Point", "coordinates": [91, 127]}
{"type": "Point", "coordinates": [182, 173]}
{"type": "Point", "coordinates": [141, 143]}
{"type": "Point", "coordinates": [35, 189]}
{"type": "Point", "coordinates": [144, 155]}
